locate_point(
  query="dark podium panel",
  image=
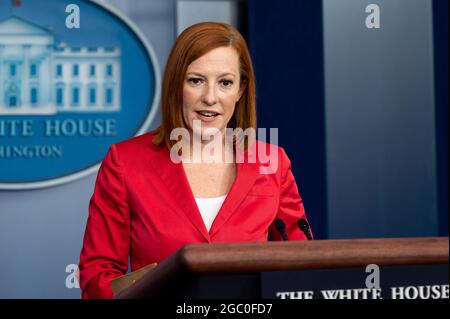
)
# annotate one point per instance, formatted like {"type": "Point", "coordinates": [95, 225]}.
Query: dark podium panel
{"type": "Point", "coordinates": [294, 269]}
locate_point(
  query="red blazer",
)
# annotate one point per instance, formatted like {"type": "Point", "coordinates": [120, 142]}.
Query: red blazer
{"type": "Point", "coordinates": [143, 207]}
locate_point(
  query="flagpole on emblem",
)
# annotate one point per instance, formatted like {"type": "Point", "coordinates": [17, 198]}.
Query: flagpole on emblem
{"type": "Point", "coordinates": [14, 4]}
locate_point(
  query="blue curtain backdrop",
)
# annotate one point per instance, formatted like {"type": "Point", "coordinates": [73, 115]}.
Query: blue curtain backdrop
{"type": "Point", "coordinates": [441, 54]}
{"type": "Point", "coordinates": [285, 39]}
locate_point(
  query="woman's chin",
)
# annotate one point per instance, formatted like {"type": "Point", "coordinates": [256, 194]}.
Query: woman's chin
{"type": "Point", "coordinates": [207, 132]}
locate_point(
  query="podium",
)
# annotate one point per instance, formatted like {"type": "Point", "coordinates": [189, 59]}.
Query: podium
{"type": "Point", "coordinates": [252, 269]}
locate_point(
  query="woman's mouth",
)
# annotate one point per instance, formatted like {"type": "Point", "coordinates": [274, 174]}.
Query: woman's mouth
{"type": "Point", "coordinates": [207, 116]}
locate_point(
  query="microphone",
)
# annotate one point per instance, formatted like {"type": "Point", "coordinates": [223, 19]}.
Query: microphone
{"type": "Point", "coordinates": [304, 226]}
{"type": "Point", "coordinates": [281, 227]}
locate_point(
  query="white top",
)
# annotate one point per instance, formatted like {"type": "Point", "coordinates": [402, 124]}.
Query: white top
{"type": "Point", "coordinates": [209, 207]}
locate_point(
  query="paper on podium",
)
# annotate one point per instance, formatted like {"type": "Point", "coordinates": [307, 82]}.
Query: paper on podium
{"type": "Point", "coordinates": [120, 283]}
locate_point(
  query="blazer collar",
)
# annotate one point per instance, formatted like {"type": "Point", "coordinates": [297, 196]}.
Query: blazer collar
{"type": "Point", "coordinates": [174, 177]}
{"type": "Point", "coordinates": [246, 175]}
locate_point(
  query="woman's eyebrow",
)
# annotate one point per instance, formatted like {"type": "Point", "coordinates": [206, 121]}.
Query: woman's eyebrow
{"type": "Point", "coordinates": [227, 73]}
{"type": "Point", "coordinates": [201, 75]}
{"type": "Point", "coordinates": [195, 73]}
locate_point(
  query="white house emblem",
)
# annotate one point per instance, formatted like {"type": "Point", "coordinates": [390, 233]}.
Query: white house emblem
{"type": "Point", "coordinates": [67, 94]}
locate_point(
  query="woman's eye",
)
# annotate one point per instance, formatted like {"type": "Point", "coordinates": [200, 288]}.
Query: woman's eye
{"type": "Point", "coordinates": [226, 82]}
{"type": "Point", "coordinates": [195, 80]}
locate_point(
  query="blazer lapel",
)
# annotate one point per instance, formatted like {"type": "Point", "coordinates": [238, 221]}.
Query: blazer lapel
{"type": "Point", "coordinates": [174, 177]}
{"type": "Point", "coordinates": [246, 176]}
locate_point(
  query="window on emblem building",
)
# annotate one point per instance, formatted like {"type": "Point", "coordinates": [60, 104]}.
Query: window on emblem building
{"type": "Point", "coordinates": [12, 70]}
{"type": "Point", "coordinates": [75, 96]}
{"type": "Point", "coordinates": [92, 70]}
{"type": "Point", "coordinates": [109, 70]}
{"type": "Point", "coordinates": [109, 96]}
{"type": "Point", "coordinates": [92, 95]}
{"type": "Point", "coordinates": [59, 70]}
{"type": "Point", "coordinates": [34, 96]}
{"type": "Point", "coordinates": [59, 96]}
{"type": "Point", "coordinates": [33, 70]}
{"type": "Point", "coordinates": [75, 70]}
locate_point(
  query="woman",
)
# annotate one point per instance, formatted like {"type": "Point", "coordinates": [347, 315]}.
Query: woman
{"type": "Point", "coordinates": [152, 196]}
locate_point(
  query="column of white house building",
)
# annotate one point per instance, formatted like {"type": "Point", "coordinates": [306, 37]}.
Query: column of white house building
{"type": "Point", "coordinates": [35, 97]}
{"type": "Point", "coordinates": [49, 73]}
{"type": "Point", "coordinates": [84, 77]}
{"type": "Point", "coordinates": [45, 76]}
{"type": "Point", "coordinates": [25, 92]}
{"type": "Point", "coordinates": [62, 74]}
{"type": "Point", "coordinates": [117, 86]}
{"type": "Point", "coordinates": [91, 68]}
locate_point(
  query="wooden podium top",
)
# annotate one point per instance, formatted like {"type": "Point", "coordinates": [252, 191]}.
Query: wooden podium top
{"type": "Point", "coordinates": [288, 255]}
{"type": "Point", "coordinates": [255, 257]}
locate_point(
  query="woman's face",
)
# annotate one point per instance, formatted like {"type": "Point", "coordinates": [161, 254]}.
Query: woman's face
{"type": "Point", "coordinates": [211, 89]}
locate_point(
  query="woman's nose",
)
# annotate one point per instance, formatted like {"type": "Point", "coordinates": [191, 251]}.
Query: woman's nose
{"type": "Point", "coordinates": [209, 95]}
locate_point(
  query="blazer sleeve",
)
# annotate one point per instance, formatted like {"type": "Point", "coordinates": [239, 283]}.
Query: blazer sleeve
{"type": "Point", "coordinates": [291, 207]}
{"type": "Point", "coordinates": [106, 243]}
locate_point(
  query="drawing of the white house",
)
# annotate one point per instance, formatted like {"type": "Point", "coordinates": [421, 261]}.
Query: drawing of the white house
{"type": "Point", "coordinates": [40, 77]}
